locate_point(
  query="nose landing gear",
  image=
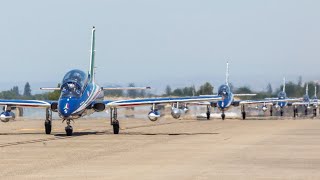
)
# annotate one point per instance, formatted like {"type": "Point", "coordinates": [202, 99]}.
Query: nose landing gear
{"type": "Point", "coordinates": [68, 128]}
{"type": "Point", "coordinates": [281, 112]}
{"type": "Point", "coordinates": [223, 116]}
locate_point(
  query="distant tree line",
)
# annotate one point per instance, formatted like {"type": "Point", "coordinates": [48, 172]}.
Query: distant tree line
{"type": "Point", "coordinates": [293, 89]}
{"type": "Point", "coordinates": [128, 93]}
{"type": "Point", "coordinates": [205, 89]}
{"type": "Point", "coordinates": [14, 93]}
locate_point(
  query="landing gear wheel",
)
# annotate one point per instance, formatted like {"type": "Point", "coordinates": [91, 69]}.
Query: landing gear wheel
{"type": "Point", "coordinates": [48, 127]}
{"type": "Point", "coordinates": [295, 112]}
{"type": "Point", "coordinates": [314, 112]}
{"type": "Point", "coordinates": [223, 116]}
{"type": "Point", "coordinates": [243, 115]}
{"type": "Point", "coordinates": [281, 113]}
{"type": "Point", "coordinates": [306, 112]}
{"type": "Point", "coordinates": [116, 127]}
{"type": "Point", "coordinates": [271, 111]}
{"type": "Point", "coordinates": [48, 121]}
{"type": "Point", "coordinates": [69, 130]}
{"type": "Point", "coordinates": [208, 115]}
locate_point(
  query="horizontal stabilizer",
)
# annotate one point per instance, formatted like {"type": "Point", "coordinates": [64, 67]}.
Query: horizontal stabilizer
{"type": "Point", "coordinates": [127, 88]}
{"type": "Point", "coordinates": [256, 102]}
{"type": "Point", "coordinates": [51, 89]}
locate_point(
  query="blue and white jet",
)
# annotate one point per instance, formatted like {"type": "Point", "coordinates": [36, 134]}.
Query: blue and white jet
{"type": "Point", "coordinates": [80, 95]}
{"type": "Point", "coordinates": [307, 102]}
{"type": "Point", "coordinates": [228, 98]}
{"type": "Point", "coordinates": [280, 102]}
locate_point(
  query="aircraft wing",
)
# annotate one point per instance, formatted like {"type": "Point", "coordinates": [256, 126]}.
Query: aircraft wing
{"type": "Point", "coordinates": [288, 100]}
{"type": "Point", "coordinates": [301, 103]}
{"type": "Point", "coordinates": [25, 103]}
{"type": "Point", "coordinates": [148, 101]}
{"type": "Point", "coordinates": [50, 88]}
{"type": "Point", "coordinates": [257, 102]}
{"type": "Point", "coordinates": [126, 88]}
{"type": "Point", "coordinates": [270, 101]}
{"type": "Point", "coordinates": [241, 95]}
{"type": "Point", "coordinates": [312, 103]}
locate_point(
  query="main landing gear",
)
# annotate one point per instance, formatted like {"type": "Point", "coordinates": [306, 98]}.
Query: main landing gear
{"type": "Point", "coordinates": [48, 122]}
{"type": "Point", "coordinates": [306, 110]}
{"type": "Point", "coordinates": [243, 112]}
{"type": "Point", "coordinates": [271, 110]}
{"type": "Point", "coordinates": [208, 112]}
{"type": "Point", "coordinates": [314, 112]}
{"type": "Point", "coordinates": [295, 112]}
{"type": "Point", "coordinates": [114, 121]}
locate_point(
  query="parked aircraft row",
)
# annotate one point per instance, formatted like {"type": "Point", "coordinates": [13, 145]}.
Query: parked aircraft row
{"type": "Point", "coordinates": [80, 95]}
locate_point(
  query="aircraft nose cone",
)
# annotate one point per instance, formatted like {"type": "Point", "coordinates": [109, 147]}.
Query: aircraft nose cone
{"type": "Point", "coordinates": [65, 113]}
{"type": "Point", "coordinates": [66, 107]}
{"type": "Point", "coordinates": [282, 104]}
{"type": "Point", "coordinates": [222, 104]}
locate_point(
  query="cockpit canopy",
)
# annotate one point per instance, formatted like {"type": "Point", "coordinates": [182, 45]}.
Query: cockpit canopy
{"type": "Point", "coordinates": [224, 90]}
{"type": "Point", "coordinates": [282, 95]}
{"type": "Point", "coordinates": [306, 98]}
{"type": "Point", "coordinates": [73, 83]}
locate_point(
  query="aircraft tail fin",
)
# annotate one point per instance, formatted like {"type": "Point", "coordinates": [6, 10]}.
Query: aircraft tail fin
{"type": "Point", "coordinates": [307, 89]}
{"type": "Point", "coordinates": [92, 54]}
{"type": "Point", "coordinates": [284, 85]}
{"type": "Point", "coordinates": [315, 91]}
{"type": "Point", "coordinates": [227, 74]}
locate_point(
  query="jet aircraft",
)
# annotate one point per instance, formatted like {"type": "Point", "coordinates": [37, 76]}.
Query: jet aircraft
{"type": "Point", "coordinates": [80, 95]}
{"type": "Point", "coordinates": [228, 98]}
{"type": "Point", "coordinates": [281, 101]}
{"type": "Point", "coordinates": [307, 103]}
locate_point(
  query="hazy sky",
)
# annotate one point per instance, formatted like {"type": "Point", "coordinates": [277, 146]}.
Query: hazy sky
{"type": "Point", "coordinates": [160, 42]}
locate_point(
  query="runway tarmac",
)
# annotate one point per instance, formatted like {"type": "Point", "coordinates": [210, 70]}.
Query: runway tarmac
{"type": "Point", "coordinates": [168, 149]}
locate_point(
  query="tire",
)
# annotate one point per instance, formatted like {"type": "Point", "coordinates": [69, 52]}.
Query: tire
{"type": "Point", "coordinates": [281, 113]}
{"type": "Point", "coordinates": [48, 127]}
{"type": "Point", "coordinates": [223, 116]}
{"type": "Point", "coordinates": [243, 115]}
{"type": "Point", "coordinates": [69, 130]}
{"type": "Point", "coordinates": [116, 128]}
{"type": "Point", "coordinates": [208, 116]}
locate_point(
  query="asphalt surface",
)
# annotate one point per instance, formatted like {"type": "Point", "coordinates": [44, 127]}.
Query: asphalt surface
{"type": "Point", "coordinates": [168, 149]}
